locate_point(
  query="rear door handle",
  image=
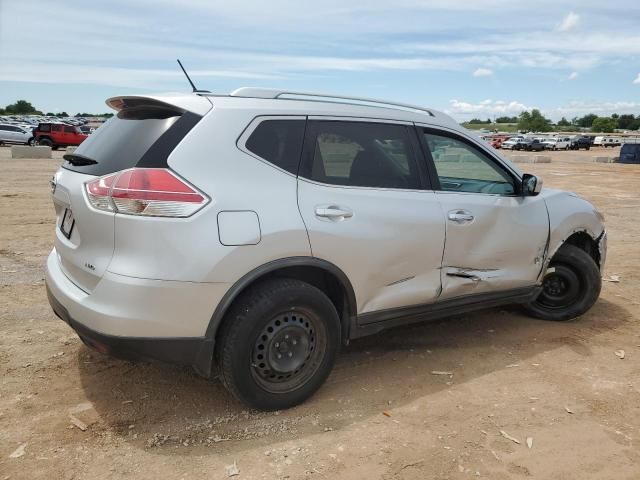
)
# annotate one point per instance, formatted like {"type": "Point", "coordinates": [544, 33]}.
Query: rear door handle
{"type": "Point", "coordinates": [460, 216]}
{"type": "Point", "coordinates": [333, 212]}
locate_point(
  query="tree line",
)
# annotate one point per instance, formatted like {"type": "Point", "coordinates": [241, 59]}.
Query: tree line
{"type": "Point", "coordinates": [23, 107]}
{"type": "Point", "coordinates": [534, 121]}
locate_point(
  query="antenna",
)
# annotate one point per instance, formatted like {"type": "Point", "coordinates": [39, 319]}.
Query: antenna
{"type": "Point", "coordinates": [195, 90]}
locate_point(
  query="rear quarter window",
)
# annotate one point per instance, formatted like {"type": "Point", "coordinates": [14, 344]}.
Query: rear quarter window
{"type": "Point", "coordinates": [279, 142]}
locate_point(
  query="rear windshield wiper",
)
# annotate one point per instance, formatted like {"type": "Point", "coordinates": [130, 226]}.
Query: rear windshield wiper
{"type": "Point", "coordinates": [78, 160]}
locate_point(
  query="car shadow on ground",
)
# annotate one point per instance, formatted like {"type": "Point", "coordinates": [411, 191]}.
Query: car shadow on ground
{"type": "Point", "coordinates": [154, 405]}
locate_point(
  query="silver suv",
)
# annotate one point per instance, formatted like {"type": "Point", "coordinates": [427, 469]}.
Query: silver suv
{"type": "Point", "coordinates": [255, 233]}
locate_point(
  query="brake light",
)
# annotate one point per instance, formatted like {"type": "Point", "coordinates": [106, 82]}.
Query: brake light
{"type": "Point", "coordinates": [155, 192]}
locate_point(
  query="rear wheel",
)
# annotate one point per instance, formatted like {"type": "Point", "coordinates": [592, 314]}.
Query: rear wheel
{"type": "Point", "coordinates": [45, 142]}
{"type": "Point", "coordinates": [31, 142]}
{"type": "Point", "coordinates": [570, 288]}
{"type": "Point", "coordinates": [278, 344]}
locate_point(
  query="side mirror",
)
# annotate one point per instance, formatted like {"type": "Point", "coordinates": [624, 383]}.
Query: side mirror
{"type": "Point", "coordinates": [531, 185]}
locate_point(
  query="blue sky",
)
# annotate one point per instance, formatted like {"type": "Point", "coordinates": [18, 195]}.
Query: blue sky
{"type": "Point", "coordinates": [470, 58]}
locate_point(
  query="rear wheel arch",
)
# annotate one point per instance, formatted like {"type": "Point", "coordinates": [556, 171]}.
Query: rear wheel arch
{"type": "Point", "coordinates": [322, 274]}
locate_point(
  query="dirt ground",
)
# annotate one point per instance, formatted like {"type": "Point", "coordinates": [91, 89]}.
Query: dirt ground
{"type": "Point", "coordinates": [513, 378]}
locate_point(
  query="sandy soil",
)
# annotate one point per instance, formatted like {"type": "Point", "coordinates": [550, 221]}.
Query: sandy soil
{"type": "Point", "coordinates": [559, 384]}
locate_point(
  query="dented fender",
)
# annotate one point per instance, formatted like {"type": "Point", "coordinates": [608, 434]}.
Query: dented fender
{"type": "Point", "coordinates": [569, 214]}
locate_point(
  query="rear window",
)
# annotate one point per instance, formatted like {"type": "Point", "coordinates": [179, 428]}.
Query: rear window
{"type": "Point", "coordinates": [138, 136]}
{"type": "Point", "coordinates": [279, 142]}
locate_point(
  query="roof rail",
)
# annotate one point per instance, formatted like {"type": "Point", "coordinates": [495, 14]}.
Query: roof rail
{"type": "Point", "coordinates": [251, 92]}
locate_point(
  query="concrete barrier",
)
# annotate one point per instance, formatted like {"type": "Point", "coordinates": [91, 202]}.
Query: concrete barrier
{"type": "Point", "coordinates": [541, 159]}
{"type": "Point", "coordinates": [70, 149]}
{"type": "Point", "coordinates": [604, 159]}
{"type": "Point", "coordinates": [25, 151]}
{"type": "Point", "coordinates": [521, 159]}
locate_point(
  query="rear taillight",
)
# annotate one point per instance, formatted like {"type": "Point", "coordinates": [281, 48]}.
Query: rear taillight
{"type": "Point", "coordinates": [155, 192]}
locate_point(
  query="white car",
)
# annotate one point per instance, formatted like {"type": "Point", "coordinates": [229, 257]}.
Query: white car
{"type": "Point", "coordinates": [252, 234]}
{"type": "Point", "coordinates": [558, 143]}
{"type": "Point", "coordinates": [15, 134]}
{"type": "Point", "coordinates": [511, 143]}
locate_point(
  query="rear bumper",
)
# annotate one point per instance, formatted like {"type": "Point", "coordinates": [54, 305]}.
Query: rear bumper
{"type": "Point", "coordinates": [195, 352]}
{"type": "Point", "coordinates": [139, 318]}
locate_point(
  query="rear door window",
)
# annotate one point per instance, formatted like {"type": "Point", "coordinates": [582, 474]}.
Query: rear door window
{"type": "Point", "coordinates": [279, 142]}
{"type": "Point", "coordinates": [360, 154]}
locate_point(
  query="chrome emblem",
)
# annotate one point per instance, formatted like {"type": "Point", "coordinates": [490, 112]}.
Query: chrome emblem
{"type": "Point", "coordinates": [53, 184]}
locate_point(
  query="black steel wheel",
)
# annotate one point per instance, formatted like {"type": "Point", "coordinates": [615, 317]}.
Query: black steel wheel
{"type": "Point", "coordinates": [278, 343]}
{"type": "Point", "coordinates": [560, 288]}
{"type": "Point", "coordinates": [288, 351]}
{"type": "Point", "coordinates": [570, 288]}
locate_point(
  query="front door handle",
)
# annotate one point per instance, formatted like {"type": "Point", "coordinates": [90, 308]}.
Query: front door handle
{"type": "Point", "coordinates": [460, 216]}
{"type": "Point", "coordinates": [333, 212]}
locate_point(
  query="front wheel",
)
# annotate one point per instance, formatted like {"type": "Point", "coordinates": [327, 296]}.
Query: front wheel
{"type": "Point", "coordinates": [45, 142]}
{"type": "Point", "coordinates": [278, 344]}
{"type": "Point", "coordinates": [570, 288]}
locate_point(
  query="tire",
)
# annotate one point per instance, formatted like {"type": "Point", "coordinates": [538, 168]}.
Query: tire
{"type": "Point", "coordinates": [571, 289]}
{"type": "Point", "coordinates": [45, 142]}
{"type": "Point", "coordinates": [55, 147]}
{"type": "Point", "coordinates": [31, 142]}
{"type": "Point", "coordinates": [278, 344]}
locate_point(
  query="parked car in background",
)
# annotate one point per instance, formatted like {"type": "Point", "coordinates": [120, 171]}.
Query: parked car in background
{"type": "Point", "coordinates": [15, 134]}
{"type": "Point", "coordinates": [497, 142]}
{"type": "Point", "coordinates": [530, 144]}
{"type": "Point", "coordinates": [630, 153]}
{"type": "Point", "coordinates": [558, 143]}
{"type": "Point", "coordinates": [511, 143]}
{"type": "Point", "coordinates": [580, 142]}
{"type": "Point", "coordinates": [56, 135]}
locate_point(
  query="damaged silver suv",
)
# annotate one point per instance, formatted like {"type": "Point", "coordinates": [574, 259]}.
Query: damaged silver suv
{"type": "Point", "coordinates": [254, 233]}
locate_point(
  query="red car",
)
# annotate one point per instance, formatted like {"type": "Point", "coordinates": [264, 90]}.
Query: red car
{"type": "Point", "coordinates": [57, 135]}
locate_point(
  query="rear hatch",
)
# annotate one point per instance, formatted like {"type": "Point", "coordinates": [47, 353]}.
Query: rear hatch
{"type": "Point", "coordinates": [142, 134]}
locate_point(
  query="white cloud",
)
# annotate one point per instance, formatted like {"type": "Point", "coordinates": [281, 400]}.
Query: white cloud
{"type": "Point", "coordinates": [602, 108]}
{"type": "Point", "coordinates": [483, 72]}
{"type": "Point", "coordinates": [485, 108]}
{"type": "Point", "coordinates": [637, 80]}
{"type": "Point", "coordinates": [570, 22]}
{"type": "Point", "coordinates": [573, 76]}
{"type": "Point", "coordinates": [462, 110]}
